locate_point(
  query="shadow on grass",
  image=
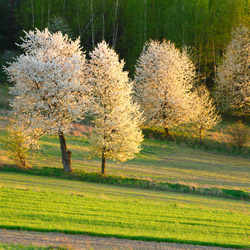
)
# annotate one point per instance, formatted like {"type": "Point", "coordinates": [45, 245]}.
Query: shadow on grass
{"type": "Point", "coordinates": [121, 236]}
{"type": "Point", "coordinates": [81, 175]}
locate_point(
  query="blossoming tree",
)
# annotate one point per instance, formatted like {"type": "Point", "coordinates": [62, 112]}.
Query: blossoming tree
{"type": "Point", "coordinates": [207, 116]}
{"type": "Point", "coordinates": [49, 87]}
{"type": "Point", "coordinates": [233, 76]}
{"type": "Point", "coordinates": [116, 134]}
{"type": "Point", "coordinates": [163, 85]}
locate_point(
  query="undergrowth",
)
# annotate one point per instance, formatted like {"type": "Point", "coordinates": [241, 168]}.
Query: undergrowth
{"type": "Point", "coordinates": [185, 135]}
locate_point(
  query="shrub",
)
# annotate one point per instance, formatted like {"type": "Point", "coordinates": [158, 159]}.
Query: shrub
{"type": "Point", "coordinates": [15, 144]}
{"type": "Point", "coordinates": [240, 134]}
{"type": "Point", "coordinates": [19, 141]}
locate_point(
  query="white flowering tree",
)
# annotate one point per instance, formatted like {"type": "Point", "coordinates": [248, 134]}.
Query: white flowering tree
{"type": "Point", "coordinates": [116, 134]}
{"type": "Point", "coordinates": [49, 86]}
{"type": "Point", "coordinates": [163, 82]}
{"type": "Point", "coordinates": [207, 116]}
{"type": "Point", "coordinates": [233, 76]}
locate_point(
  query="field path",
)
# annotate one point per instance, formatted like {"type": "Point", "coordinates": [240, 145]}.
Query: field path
{"type": "Point", "coordinates": [82, 242]}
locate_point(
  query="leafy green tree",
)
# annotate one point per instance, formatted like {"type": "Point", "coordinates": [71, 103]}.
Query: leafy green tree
{"type": "Point", "coordinates": [204, 25]}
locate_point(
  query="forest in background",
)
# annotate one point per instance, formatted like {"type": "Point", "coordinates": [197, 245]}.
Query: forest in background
{"type": "Point", "coordinates": [203, 25]}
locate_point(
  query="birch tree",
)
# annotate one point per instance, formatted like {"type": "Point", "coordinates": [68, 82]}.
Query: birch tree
{"type": "Point", "coordinates": [92, 24]}
{"type": "Point", "coordinates": [115, 29]}
{"type": "Point", "coordinates": [116, 133]}
{"type": "Point", "coordinates": [233, 76]}
{"type": "Point", "coordinates": [163, 82]}
{"type": "Point", "coordinates": [33, 15]}
{"type": "Point", "coordinates": [48, 84]}
{"type": "Point", "coordinates": [207, 116]}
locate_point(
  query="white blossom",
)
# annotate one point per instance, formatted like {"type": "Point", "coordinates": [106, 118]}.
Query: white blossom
{"type": "Point", "coordinates": [207, 116]}
{"type": "Point", "coordinates": [233, 76]}
{"type": "Point", "coordinates": [163, 82]}
{"type": "Point", "coordinates": [49, 87]}
{"type": "Point", "coordinates": [116, 133]}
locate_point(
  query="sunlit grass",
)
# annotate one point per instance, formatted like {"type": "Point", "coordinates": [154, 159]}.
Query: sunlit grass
{"type": "Point", "coordinates": [159, 160]}
{"type": "Point", "coordinates": [164, 161]}
{"type": "Point", "coordinates": [47, 204]}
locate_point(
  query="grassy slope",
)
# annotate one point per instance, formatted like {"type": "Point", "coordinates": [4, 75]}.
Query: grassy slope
{"type": "Point", "coordinates": [47, 204]}
{"type": "Point", "coordinates": [165, 161]}
{"type": "Point", "coordinates": [158, 160]}
{"type": "Point", "coordinates": [41, 203]}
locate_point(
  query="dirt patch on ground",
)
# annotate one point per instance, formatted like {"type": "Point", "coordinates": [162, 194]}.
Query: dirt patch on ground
{"type": "Point", "coordinates": [81, 242]}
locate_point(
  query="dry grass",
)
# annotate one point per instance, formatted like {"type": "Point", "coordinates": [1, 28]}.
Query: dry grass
{"type": "Point", "coordinates": [80, 130]}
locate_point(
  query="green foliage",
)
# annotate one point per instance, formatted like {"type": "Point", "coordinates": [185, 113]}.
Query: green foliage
{"type": "Point", "coordinates": [59, 24]}
{"type": "Point", "coordinates": [240, 134]}
{"type": "Point", "coordinates": [155, 133]}
{"type": "Point", "coordinates": [188, 136]}
{"type": "Point", "coordinates": [49, 204]}
{"type": "Point", "coordinates": [4, 97]}
{"type": "Point", "coordinates": [8, 56]}
{"type": "Point", "coordinates": [15, 143]}
{"type": "Point", "coordinates": [205, 25]}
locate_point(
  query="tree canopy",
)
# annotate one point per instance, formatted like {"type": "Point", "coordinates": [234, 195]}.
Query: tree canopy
{"type": "Point", "coordinates": [164, 78]}
{"type": "Point", "coordinates": [49, 84]}
{"type": "Point", "coordinates": [116, 133]}
{"type": "Point", "coordinates": [233, 79]}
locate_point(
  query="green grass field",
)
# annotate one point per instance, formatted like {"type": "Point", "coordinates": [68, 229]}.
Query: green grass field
{"type": "Point", "coordinates": [163, 161]}
{"type": "Point", "coordinates": [49, 204]}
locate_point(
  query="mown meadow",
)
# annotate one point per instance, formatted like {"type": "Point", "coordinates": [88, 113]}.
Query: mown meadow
{"type": "Point", "coordinates": [44, 203]}
{"type": "Point", "coordinates": [48, 204]}
{"type": "Point", "coordinates": [158, 160]}
{"type": "Point", "coordinates": [189, 181]}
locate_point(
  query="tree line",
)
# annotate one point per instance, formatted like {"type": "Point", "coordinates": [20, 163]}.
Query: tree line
{"type": "Point", "coordinates": [203, 25]}
{"type": "Point", "coordinates": [54, 85]}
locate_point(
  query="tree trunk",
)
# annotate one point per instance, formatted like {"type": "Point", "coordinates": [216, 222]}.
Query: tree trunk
{"type": "Point", "coordinates": [92, 24]}
{"type": "Point", "coordinates": [41, 17]}
{"type": "Point", "coordinates": [183, 22]}
{"type": "Point", "coordinates": [103, 164]}
{"type": "Point", "coordinates": [145, 20]}
{"type": "Point", "coordinates": [48, 13]}
{"type": "Point", "coordinates": [66, 155]}
{"type": "Point", "coordinates": [11, 20]}
{"type": "Point", "coordinates": [63, 7]}
{"type": "Point", "coordinates": [115, 29]}
{"type": "Point", "coordinates": [22, 161]}
{"type": "Point", "coordinates": [201, 137]}
{"type": "Point", "coordinates": [166, 132]}
{"type": "Point", "coordinates": [78, 19]}
{"type": "Point", "coordinates": [33, 15]}
{"type": "Point", "coordinates": [103, 19]}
